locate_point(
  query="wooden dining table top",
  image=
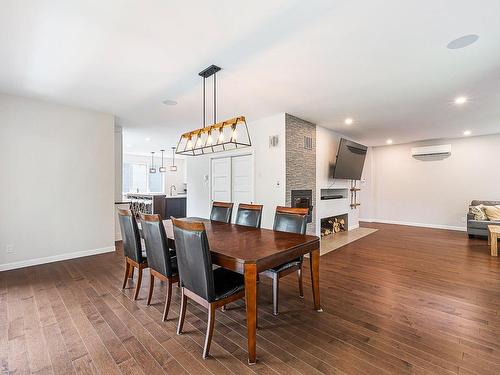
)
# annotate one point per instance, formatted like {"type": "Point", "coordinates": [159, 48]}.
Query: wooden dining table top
{"type": "Point", "coordinates": [264, 247]}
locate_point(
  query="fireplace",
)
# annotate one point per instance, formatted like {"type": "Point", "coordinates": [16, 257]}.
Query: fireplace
{"type": "Point", "coordinates": [303, 199]}
{"type": "Point", "coordinates": [334, 224]}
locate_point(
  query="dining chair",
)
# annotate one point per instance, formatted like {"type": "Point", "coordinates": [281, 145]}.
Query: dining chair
{"type": "Point", "coordinates": [293, 220]}
{"type": "Point", "coordinates": [199, 281]}
{"type": "Point", "coordinates": [162, 263]}
{"type": "Point", "coordinates": [132, 249]}
{"type": "Point", "coordinates": [221, 211]}
{"type": "Point", "coordinates": [249, 215]}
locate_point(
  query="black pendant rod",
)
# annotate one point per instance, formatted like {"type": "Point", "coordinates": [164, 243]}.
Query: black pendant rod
{"type": "Point", "coordinates": [215, 98]}
{"type": "Point", "coordinates": [204, 121]}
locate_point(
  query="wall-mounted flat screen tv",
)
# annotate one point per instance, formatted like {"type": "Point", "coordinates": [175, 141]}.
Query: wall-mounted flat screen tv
{"type": "Point", "coordinates": [350, 160]}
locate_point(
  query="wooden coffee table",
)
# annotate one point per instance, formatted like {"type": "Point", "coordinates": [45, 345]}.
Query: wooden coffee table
{"type": "Point", "coordinates": [493, 234]}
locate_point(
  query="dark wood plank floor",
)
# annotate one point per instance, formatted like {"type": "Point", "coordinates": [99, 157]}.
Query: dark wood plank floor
{"type": "Point", "coordinates": [401, 301]}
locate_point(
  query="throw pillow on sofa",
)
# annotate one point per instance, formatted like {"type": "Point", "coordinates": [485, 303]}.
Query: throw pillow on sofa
{"type": "Point", "coordinates": [478, 212]}
{"type": "Point", "coordinates": [492, 212]}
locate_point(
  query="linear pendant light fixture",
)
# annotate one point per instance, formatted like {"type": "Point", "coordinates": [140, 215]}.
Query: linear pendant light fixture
{"type": "Point", "coordinates": [220, 136]}
{"type": "Point", "coordinates": [173, 167]}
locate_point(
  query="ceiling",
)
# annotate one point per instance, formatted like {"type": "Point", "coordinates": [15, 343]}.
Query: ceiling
{"type": "Point", "coordinates": [383, 63]}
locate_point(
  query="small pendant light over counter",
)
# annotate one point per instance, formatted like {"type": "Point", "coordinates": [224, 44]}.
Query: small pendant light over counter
{"type": "Point", "coordinates": [223, 136]}
{"type": "Point", "coordinates": [162, 169]}
{"type": "Point", "coordinates": [173, 167]}
{"type": "Point", "coordinates": [152, 168]}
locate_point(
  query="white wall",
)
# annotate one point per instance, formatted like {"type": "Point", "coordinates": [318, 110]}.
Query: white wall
{"type": "Point", "coordinates": [269, 169]}
{"type": "Point", "coordinates": [57, 186]}
{"type": "Point", "coordinates": [327, 144]}
{"type": "Point", "coordinates": [433, 193]}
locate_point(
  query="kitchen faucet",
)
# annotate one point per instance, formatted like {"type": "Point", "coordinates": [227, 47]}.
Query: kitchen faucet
{"type": "Point", "coordinates": [174, 190]}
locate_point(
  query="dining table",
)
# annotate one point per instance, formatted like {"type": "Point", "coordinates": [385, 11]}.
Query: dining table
{"type": "Point", "coordinates": [249, 251]}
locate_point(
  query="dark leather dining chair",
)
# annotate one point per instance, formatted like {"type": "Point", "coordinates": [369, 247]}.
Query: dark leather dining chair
{"type": "Point", "coordinates": [134, 256]}
{"type": "Point", "coordinates": [292, 220]}
{"type": "Point", "coordinates": [162, 262]}
{"type": "Point", "coordinates": [210, 288]}
{"type": "Point", "coordinates": [249, 215]}
{"type": "Point", "coordinates": [221, 211]}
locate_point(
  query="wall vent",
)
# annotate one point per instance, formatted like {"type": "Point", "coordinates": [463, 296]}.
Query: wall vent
{"type": "Point", "coordinates": [273, 141]}
{"type": "Point", "coordinates": [308, 143]}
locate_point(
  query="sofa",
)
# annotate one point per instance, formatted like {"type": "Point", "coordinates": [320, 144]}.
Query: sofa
{"type": "Point", "coordinates": [480, 227]}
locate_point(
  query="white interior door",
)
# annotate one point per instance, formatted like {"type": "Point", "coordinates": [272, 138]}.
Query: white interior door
{"type": "Point", "coordinates": [242, 179]}
{"type": "Point", "coordinates": [232, 180]}
{"type": "Point", "coordinates": [221, 180]}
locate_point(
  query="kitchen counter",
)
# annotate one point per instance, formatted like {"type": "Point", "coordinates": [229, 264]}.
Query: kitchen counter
{"type": "Point", "coordinates": [176, 196]}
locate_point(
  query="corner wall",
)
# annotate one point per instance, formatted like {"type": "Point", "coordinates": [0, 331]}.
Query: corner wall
{"type": "Point", "coordinates": [432, 193]}
{"type": "Point", "coordinates": [57, 190]}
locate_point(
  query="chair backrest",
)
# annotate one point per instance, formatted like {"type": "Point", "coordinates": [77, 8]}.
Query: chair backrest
{"type": "Point", "coordinates": [221, 211]}
{"type": "Point", "coordinates": [193, 258]}
{"type": "Point", "coordinates": [288, 219]}
{"type": "Point", "coordinates": [130, 235]}
{"type": "Point", "coordinates": [157, 249]}
{"type": "Point", "coordinates": [249, 215]}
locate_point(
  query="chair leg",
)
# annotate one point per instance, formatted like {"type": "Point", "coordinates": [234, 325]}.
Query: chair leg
{"type": "Point", "coordinates": [151, 287]}
{"type": "Point", "coordinates": [182, 313]}
{"type": "Point", "coordinates": [138, 286]}
{"type": "Point", "coordinates": [210, 330]}
{"type": "Point", "coordinates": [301, 286]}
{"type": "Point", "coordinates": [127, 271]}
{"type": "Point", "coordinates": [167, 300]}
{"type": "Point", "coordinates": [131, 272]}
{"type": "Point", "coordinates": [276, 280]}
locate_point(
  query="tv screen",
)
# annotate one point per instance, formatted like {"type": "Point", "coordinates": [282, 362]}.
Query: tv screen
{"type": "Point", "coordinates": [350, 160]}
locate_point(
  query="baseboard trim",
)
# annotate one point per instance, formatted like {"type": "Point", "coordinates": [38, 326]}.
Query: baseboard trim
{"type": "Point", "coordinates": [54, 258]}
{"type": "Point", "coordinates": [412, 224]}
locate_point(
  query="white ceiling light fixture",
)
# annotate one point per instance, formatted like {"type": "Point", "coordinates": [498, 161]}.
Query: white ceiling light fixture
{"type": "Point", "coordinates": [169, 102]}
{"type": "Point", "coordinates": [467, 133]}
{"type": "Point", "coordinates": [389, 142]}
{"type": "Point", "coordinates": [460, 100]}
{"type": "Point", "coordinates": [463, 41]}
{"type": "Point", "coordinates": [173, 167]}
{"type": "Point", "coordinates": [348, 121]}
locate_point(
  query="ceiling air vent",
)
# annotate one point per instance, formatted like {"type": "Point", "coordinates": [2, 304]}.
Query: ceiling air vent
{"type": "Point", "coordinates": [308, 143]}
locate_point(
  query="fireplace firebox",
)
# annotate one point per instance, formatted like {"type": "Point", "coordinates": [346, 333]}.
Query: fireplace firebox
{"type": "Point", "coordinates": [334, 224]}
{"type": "Point", "coordinates": [303, 199]}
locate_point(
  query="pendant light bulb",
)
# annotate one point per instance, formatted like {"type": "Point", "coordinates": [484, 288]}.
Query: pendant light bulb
{"type": "Point", "coordinates": [209, 138]}
{"type": "Point", "coordinates": [189, 145]}
{"type": "Point", "coordinates": [221, 136]}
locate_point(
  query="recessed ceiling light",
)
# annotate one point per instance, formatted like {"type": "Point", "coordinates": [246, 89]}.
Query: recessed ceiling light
{"type": "Point", "coordinates": [467, 132]}
{"type": "Point", "coordinates": [389, 142]}
{"type": "Point", "coordinates": [461, 100]}
{"type": "Point", "coordinates": [348, 121]}
{"type": "Point", "coordinates": [169, 102]}
{"type": "Point", "coordinates": [148, 139]}
{"type": "Point", "coordinates": [463, 41]}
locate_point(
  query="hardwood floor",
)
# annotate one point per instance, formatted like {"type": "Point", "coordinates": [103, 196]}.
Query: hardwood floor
{"type": "Point", "coordinates": [403, 300]}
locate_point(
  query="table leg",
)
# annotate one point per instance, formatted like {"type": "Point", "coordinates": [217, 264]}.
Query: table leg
{"type": "Point", "coordinates": [314, 262]}
{"type": "Point", "coordinates": [251, 305]}
{"type": "Point", "coordinates": [494, 245]}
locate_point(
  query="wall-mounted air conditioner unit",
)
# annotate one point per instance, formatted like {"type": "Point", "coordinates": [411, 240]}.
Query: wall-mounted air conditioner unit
{"type": "Point", "coordinates": [438, 150]}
